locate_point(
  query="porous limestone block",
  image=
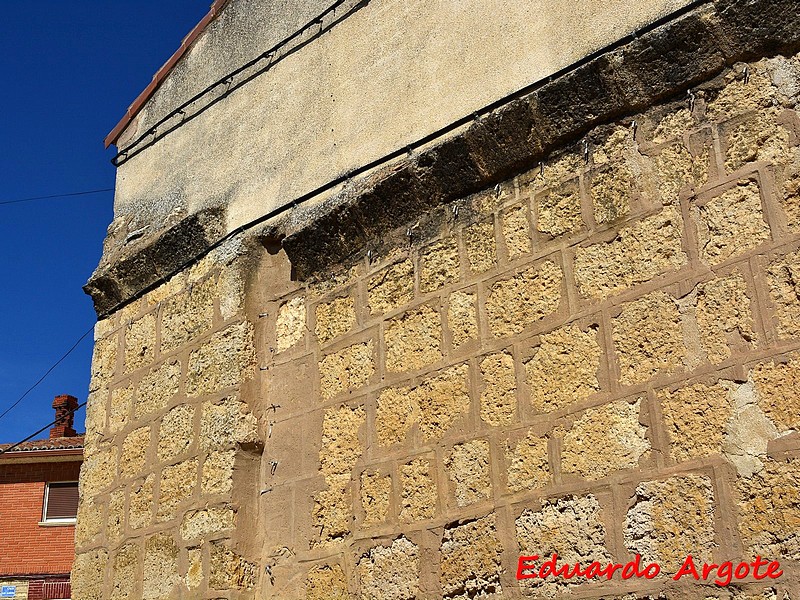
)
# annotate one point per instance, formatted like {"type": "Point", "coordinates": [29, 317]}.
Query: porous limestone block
{"type": "Point", "coordinates": [124, 572]}
{"type": "Point", "coordinates": [462, 318]}
{"type": "Point", "coordinates": [290, 325]}
{"type": "Point", "coordinates": [140, 510]}
{"type": "Point", "coordinates": [648, 338]}
{"type": "Point", "coordinates": [573, 528]}
{"type": "Point", "coordinates": [558, 210]}
{"type": "Point", "coordinates": [527, 464]}
{"type": "Point", "coordinates": [226, 423]}
{"type": "Point", "coordinates": [341, 442]}
{"type": "Point", "coordinates": [91, 520]}
{"type": "Point", "coordinates": [334, 318]}
{"type": "Point", "coordinates": [471, 559]}
{"type": "Point", "coordinates": [741, 95]}
{"type": "Point", "coordinates": [225, 360]}
{"type": "Point", "coordinates": [134, 452]}
{"type": "Point", "coordinates": [611, 190]}
{"type": "Point", "coordinates": [194, 572]}
{"type": "Point", "coordinates": [88, 574]}
{"type": "Point", "coordinates": [120, 410]}
{"type": "Point", "coordinates": [217, 472]}
{"type": "Point", "coordinates": [176, 434]}
{"type": "Point", "coordinates": [769, 510]}
{"type": "Point", "coordinates": [603, 440]}
{"type": "Point", "coordinates": [783, 276]}
{"type": "Point", "coordinates": [349, 368]}
{"type": "Point", "coordinates": [723, 316]}
{"type": "Point", "coordinates": [516, 231]}
{"type": "Point", "coordinates": [418, 497]}
{"type": "Point", "coordinates": [390, 572]}
{"type": "Point", "coordinates": [333, 509]}
{"type": "Point", "coordinates": [178, 483]}
{"type": "Point", "coordinates": [731, 223]}
{"type": "Point", "coordinates": [229, 570]}
{"type": "Point", "coordinates": [671, 519]}
{"type": "Point", "coordinates": [439, 265]}
{"type": "Point", "coordinates": [479, 242]}
{"type": "Point", "coordinates": [160, 566]}
{"type": "Point", "coordinates": [96, 416]}
{"type": "Point", "coordinates": [104, 362]}
{"type": "Point", "coordinates": [499, 392]}
{"type": "Point", "coordinates": [676, 169]}
{"type": "Point", "coordinates": [468, 466]}
{"type": "Point", "coordinates": [326, 582]}
{"type": "Point", "coordinates": [695, 417]}
{"type": "Point", "coordinates": [140, 342]}
{"type": "Point", "coordinates": [376, 494]}
{"type": "Point", "coordinates": [776, 384]}
{"type": "Point", "coordinates": [188, 315]}
{"type": "Point", "coordinates": [759, 138]}
{"type": "Point", "coordinates": [435, 405]}
{"type": "Point", "coordinates": [564, 369]}
{"type": "Point", "coordinates": [157, 388]}
{"type": "Point", "coordinates": [391, 288]}
{"type": "Point", "coordinates": [515, 303]}
{"type": "Point", "coordinates": [413, 339]}
{"type": "Point", "coordinates": [98, 471]}
{"type": "Point", "coordinates": [201, 523]}
{"type": "Point", "coordinates": [638, 253]}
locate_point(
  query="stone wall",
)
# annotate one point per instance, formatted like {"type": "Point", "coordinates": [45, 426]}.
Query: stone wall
{"type": "Point", "coordinates": [597, 356]}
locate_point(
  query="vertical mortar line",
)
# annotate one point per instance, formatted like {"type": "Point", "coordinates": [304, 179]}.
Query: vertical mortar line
{"type": "Point", "coordinates": [759, 307]}
{"type": "Point", "coordinates": [725, 511]}
{"type": "Point", "coordinates": [607, 346]}
{"type": "Point", "coordinates": [567, 261]}
{"type": "Point", "coordinates": [771, 204]}
{"type": "Point", "coordinates": [765, 308]}
{"type": "Point", "coordinates": [506, 531]}
{"type": "Point", "coordinates": [475, 393]}
{"type": "Point", "coordinates": [554, 455]}
{"type": "Point", "coordinates": [658, 433]}
{"type": "Point", "coordinates": [716, 149]}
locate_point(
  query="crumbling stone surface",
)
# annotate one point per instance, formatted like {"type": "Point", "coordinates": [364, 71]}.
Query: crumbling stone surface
{"type": "Point", "coordinates": [98, 471]}
{"type": "Point", "coordinates": [573, 528]}
{"type": "Point", "coordinates": [604, 440]}
{"type": "Point", "coordinates": [391, 288]}
{"type": "Point", "coordinates": [564, 369]}
{"type": "Point", "coordinates": [124, 570]}
{"type": "Point", "coordinates": [695, 417]}
{"type": "Point", "coordinates": [157, 388]}
{"type": "Point", "coordinates": [176, 433]}
{"type": "Point", "coordinates": [160, 566]}
{"type": "Point", "coordinates": [326, 582]}
{"type": "Point", "coordinates": [731, 223]}
{"type": "Point", "coordinates": [638, 253]}
{"type": "Point", "coordinates": [88, 572]}
{"type": "Point", "coordinates": [224, 361]}
{"type": "Point", "coordinates": [134, 452]}
{"type": "Point", "coordinates": [194, 572]}
{"type": "Point", "coordinates": [217, 475]}
{"type": "Point", "coordinates": [517, 302]}
{"type": "Point", "coordinates": [784, 291]}
{"type": "Point", "coordinates": [434, 405]}
{"type": "Point", "coordinates": [226, 423]}
{"type": "Point", "coordinates": [121, 406]}
{"type": "Point", "coordinates": [141, 505]}
{"type": "Point", "coordinates": [104, 362]}
{"type": "Point", "coordinates": [611, 191]}
{"type": "Point", "coordinates": [676, 168]}
{"type": "Point", "coordinates": [290, 326]}
{"type": "Point", "coordinates": [376, 494]}
{"type": "Point", "coordinates": [724, 316]}
{"type": "Point", "coordinates": [201, 523]}
{"type": "Point", "coordinates": [413, 340]}
{"type": "Point", "coordinates": [471, 559]}
{"type": "Point", "coordinates": [769, 510]}
{"type": "Point", "coordinates": [351, 367]}
{"type": "Point", "coordinates": [516, 231]}
{"type": "Point", "coordinates": [480, 246]}
{"type": "Point", "coordinates": [470, 476]}
{"type": "Point", "coordinates": [499, 395]}
{"type": "Point", "coordinates": [671, 519]}
{"type": "Point", "coordinates": [527, 463]}
{"type": "Point", "coordinates": [462, 318]}
{"type": "Point", "coordinates": [334, 318]}
{"type": "Point", "coordinates": [188, 315]}
{"type": "Point", "coordinates": [177, 485]}
{"type": "Point", "coordinates": [648, 338]}
{"type": "Point", "coordinates": [390, 572]}
{"type": "Point", "coordinates": [559, 210]}
{"type": "Point", "coordinates": [776, 384]}
{"type": "Point", "coordinates": [418, 498]}
{"type": "Point", "coordinates": [229, 571]}
{"type": "Point", "coordinates": [759, 138]}
{"type": "Point", "coordinates": [439, 265]}
{"type": "Point", "coordinates": [140, 338]}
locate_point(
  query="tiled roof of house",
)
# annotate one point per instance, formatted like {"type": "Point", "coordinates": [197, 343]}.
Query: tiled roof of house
{"type": "Point", "coordinates": [63, 443]}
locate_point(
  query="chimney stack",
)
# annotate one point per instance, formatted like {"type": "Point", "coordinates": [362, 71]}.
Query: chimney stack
{"type": "Point", "coordinates": [65, 406]}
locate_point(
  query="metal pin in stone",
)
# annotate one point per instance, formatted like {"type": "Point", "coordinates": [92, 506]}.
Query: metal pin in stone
{"type": "Point", "coordinates": [269, 432]}
{"type": "Point", "coordinates": [585, 152]}
{"type": "Point", "coordinates": [262, 315]}
{"type": "Point", "coordinates": [497, 190]}
{"type": "Point", "coordinates": [691, 100]}
{"type": "Point", "coordinates": [263, 368]}
{"type": "Point", "coordinates": [746, 74]}
{"type": "Point", "coordinates": [541, 168]}
{"type": "Point", "coordinates": [274, 407]}
{"type": "Point", "coordinates": [273, 467]}
{"type": "Point", "coordinates": [369, 256]}
{"type": "Point", "coordinates": [265, 491]}
{"type": "Point", "coordinates": [633, 127]}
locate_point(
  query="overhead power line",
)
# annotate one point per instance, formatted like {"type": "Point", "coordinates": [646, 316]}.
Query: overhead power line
{"type": "Point", "coordinates": [33, 435]}
{"type": "Point", "coordinates": [42, 378]}
{"type": "Point", "coordinates": [86, 193]}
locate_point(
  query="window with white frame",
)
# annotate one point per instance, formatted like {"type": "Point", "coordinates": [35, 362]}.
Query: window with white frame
{"type": "Point", "coordinates": [60, 502]}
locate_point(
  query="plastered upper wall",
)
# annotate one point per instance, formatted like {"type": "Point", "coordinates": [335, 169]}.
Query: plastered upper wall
{"type": "Point", "coordinates": [381, 79]}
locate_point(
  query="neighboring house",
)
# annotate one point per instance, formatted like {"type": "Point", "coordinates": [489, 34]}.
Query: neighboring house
{"type": "Point", "coordinates": [38, 504]}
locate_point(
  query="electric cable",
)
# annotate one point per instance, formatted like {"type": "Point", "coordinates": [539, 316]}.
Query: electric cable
{"type": "Point", "coordinates": [70, 194]}
{"type": "Point", "coordinates": [33, 435]}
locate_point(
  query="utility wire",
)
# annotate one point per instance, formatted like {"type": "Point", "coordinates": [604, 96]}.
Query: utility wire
{"type": "Point", "coordinates": [33, 435]}
{"type": "Point", "coordinates": [42, 378]}
{"type": "Point", "coordinates": [86, 193]}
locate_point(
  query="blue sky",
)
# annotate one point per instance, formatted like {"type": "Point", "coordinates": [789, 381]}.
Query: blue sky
{"type": "Point", "coordinates": [70, 70]}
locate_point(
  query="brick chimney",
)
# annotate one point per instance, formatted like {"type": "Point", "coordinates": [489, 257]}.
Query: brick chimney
{"type": "Point", "coordinates": [65, 406]}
